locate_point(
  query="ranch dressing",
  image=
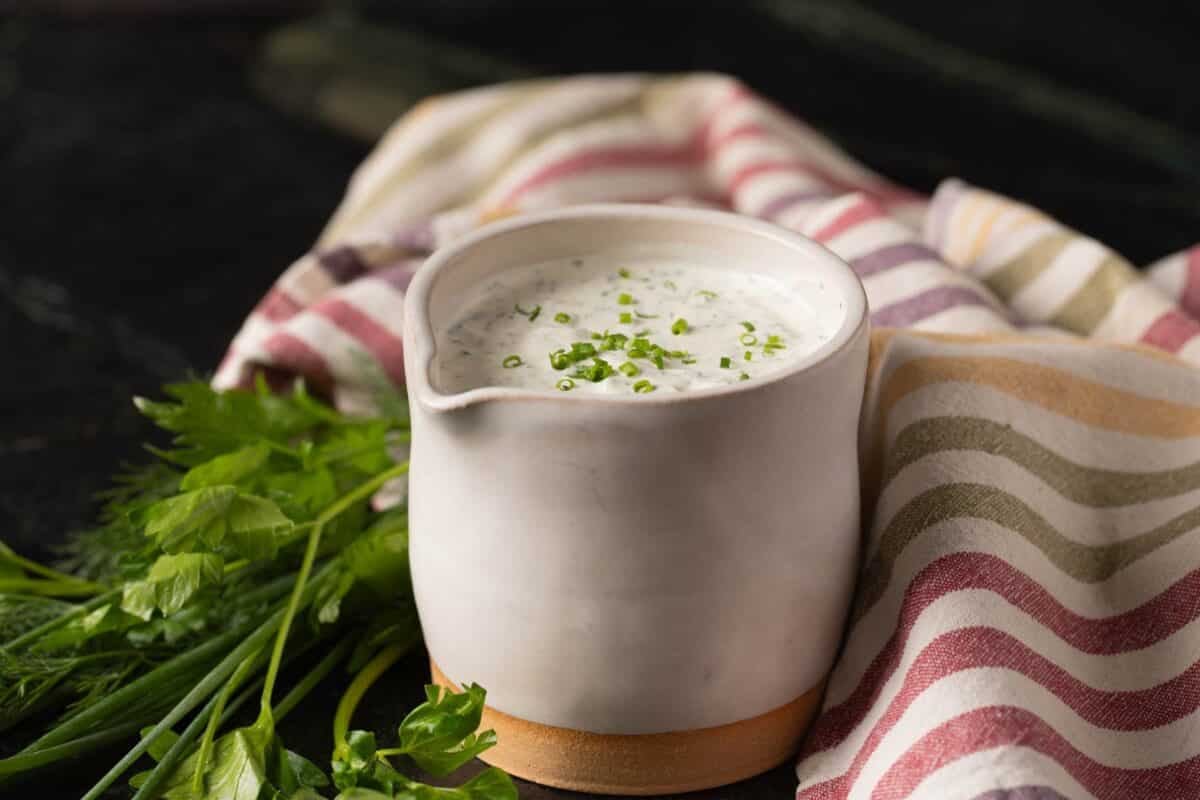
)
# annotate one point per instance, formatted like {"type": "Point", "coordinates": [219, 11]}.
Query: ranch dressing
{"type": "Point", "coordinates": [655, 325]}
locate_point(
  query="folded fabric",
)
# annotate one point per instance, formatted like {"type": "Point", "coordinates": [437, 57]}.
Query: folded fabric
{"type": "Point", "coordinates": [1026, 620]}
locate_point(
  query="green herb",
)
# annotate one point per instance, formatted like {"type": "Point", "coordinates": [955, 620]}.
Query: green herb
{"type": "Point", "coordinates": [726, 362]}
{"type": "Point", "coordinates": [629, 369]}
{"type": "Point", "coordinates": [626, 318]}
{"type": "Point", "coordinates": [531, 313]}
{"type": "Point", "coordinates": [565, 385]}
{"type": "Point", "coordinates": [679, 326]}
{"type": "Point", "coordinates": [748, 339]}
{"type": "Point", "coordinates": [670, 285]}
{"type": "Point", "coordinates": [640, 315]}
{"type": "Point", "coordinates": [251, 541]}
{"type": "Point", "coordinates": [625, 299]}
{"type": "Point", "coordinates": [597, 371]}
{"type": "Point", "coordinates": [512, 361]}
{"type": "Point", "coordinates": [747, 355]}
{"type": "Point", "coordinates": [707, 295]}
{"type": "Point", "coordinates": [744, 377]}
{"type": "Point", "coordinates": [643, 387]}
{"type": "Point", "coordinates": [688, 360]}
{"type": "Point", "coordinates": [562, 317]}
{"type": "Point", "coordinates": [613, 341]}
{"type": "Point", "coordinates": [749, 326]}
{"type": "Point", "coordinates": [624, 273]}
{"type": "Point", "coordinates": [773, 343]}
{"type": "Point", "coordinates": [561, 359]}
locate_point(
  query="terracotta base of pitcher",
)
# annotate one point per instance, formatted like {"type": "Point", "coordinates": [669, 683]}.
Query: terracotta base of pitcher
{"type": "Point", "coordinates": [646, 764]}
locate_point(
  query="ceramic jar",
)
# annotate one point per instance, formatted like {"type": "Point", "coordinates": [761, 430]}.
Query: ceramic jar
{"type": "Point", "coordinates": [651, 588]}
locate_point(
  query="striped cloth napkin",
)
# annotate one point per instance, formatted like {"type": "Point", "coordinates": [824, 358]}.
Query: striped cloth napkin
{"type": "Point", "coordinates": [1026, 623]}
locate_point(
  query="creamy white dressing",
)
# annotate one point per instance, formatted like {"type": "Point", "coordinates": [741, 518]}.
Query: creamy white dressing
{"type": "Point", "coordinates": [498, 339]}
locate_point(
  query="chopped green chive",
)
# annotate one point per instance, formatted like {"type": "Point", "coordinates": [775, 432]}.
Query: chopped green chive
{"type": "Point", "coordinates": [565, 385]}
{"type": "Point", "coordinates": [743, 377]}
{"type": "Point", "coordinates": [657, 358]}
{"type": "Point", "coordinates": [531, 313]}
{"type": "Point", "coordinates": [643, 387]}
{"type": "Point", "coordinates": [707, 295]}
{"type": "Point", "coordinates": [726, 362]}
{"type": "Point", "coordinates": [670, 285]}
{"type": "Point", "coordinates": [613, 341]}
{"type": "Point", "coordinates": [689, 360]}
{"type": "Point", "coordinates": [626, 318]}
{"type": "Point", "coordinates": [629, 368]}
{"type": "Point", "coordinates": [679, 326]}
{"type": "Point", "coordinates": [624, 273]}
{"type": "Point", "coordinates": [749, 326]}
{"type": "Point", "coordinates": [748, 339]}
{"type": "Point", "coordinates": [640, 315]}
{"type": "Point", "coordinates": [561, 359]}
{"type": "Point", "coordinates": [625, 299]}
{"type": "Point", "coordinates": [563, 318]}
{"type": "Point", "coordinates": [747, 355]}
{"type": "Point", "coordinates": [598, 371]}
{"type": "Point", "coordinates": [511, 361]}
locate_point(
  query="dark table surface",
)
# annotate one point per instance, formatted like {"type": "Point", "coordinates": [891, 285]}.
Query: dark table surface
{"type": "Point", "coordinates": [151, 194]}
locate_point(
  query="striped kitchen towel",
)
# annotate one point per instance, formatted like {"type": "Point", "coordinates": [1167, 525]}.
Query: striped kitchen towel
{"type": "Point", "coordinates": [1027, 622]}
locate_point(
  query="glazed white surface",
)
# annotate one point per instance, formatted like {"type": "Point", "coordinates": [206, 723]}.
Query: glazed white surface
{"type": "Point", "coordinates": [517, 313]}
{"type": "Point", "coordinates": [621, 563]}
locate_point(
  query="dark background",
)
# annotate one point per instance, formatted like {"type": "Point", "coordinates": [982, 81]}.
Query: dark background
{"type": "Point", "coordinates": [160, 164]}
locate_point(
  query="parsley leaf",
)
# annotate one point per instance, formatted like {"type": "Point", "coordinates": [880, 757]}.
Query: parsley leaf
{"type": "Point", "coordinates": [171, 583]}
{"type": "Point", "coordinates": [439, 735]}
{"type": "Point", "coordinates": [226, 469]}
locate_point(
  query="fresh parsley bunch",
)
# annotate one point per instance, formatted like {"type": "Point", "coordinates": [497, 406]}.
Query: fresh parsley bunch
{"type": "Point", "coordinates": [247, 544]}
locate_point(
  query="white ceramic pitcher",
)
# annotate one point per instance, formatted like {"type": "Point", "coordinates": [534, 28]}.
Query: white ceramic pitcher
{"type": "Point", "coordinates": [652, 588]}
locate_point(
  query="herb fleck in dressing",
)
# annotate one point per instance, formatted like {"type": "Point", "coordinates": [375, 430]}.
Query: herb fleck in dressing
{"type": "Point", "coordinates": [630, 326]}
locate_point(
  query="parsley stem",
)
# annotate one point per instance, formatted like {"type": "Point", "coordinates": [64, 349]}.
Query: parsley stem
{"type": "Point", "coordinates": [281, 635]}
{"type": "Point", "coordinates": [214, 718]}
{"type": "Point", "coordinates": [387, 752]}
{"type": "Point", "coordinates": [358, 687]}
{"type": "Point", "coordinates": [314, 677]}
{"type": "Point", "coordinates": [362, 492]}
{"type": "Point", "coordinates": [234, 566]}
